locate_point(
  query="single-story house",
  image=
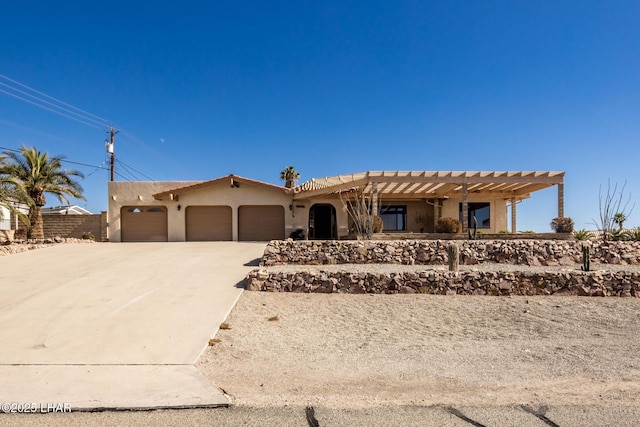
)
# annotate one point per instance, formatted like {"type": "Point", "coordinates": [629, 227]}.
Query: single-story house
{"type": "Point", "coordinates": [242, 209]}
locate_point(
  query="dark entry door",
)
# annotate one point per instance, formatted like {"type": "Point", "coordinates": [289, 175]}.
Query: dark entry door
{"type": "Point", "coordinates": [322, 222]}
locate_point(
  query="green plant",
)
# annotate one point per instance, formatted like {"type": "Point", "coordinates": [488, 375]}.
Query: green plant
{"type": "Point", "coordinates": [87, 235]}
{"type": "Point", "coordinates": [38, 174]}
{"type": "Point", "coordinates": [562, 225]}
{"type": "Point", "coordinates": [582, 234]}
{"type": "Point", "coordinates": [448, 225]}
{"type": "Point", "coordinates": [619, 218]}
{"type": "Point", "coordinates": [297, 234]}
{"type": "Point", "coordinates": [618, 235]}
{"type": "Point", "coordinates": [529, 232]}
{"type": "Point", "coordinates": [504, 232]}
{"type": "Point", "coordinates": [586, 258]}
{"type": "Point", "coordinates": [289, 175]}
{"type": "Point", "coordinates": [634, 234]}
{"type": "Point", "coordinates": [614, 209]}
{"type": "Point", "coordinates": [454, 256]}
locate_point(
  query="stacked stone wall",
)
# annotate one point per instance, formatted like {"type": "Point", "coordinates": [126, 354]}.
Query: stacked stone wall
{"type": "Point", "coordinates": [434, 252]}
{"type": "Point", "coordinates": [444, 282]}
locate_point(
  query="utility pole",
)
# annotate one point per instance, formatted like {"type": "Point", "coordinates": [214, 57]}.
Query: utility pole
{"type": "Point", "coordinates": [110, 142]}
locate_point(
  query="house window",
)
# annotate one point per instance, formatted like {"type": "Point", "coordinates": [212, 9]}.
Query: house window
{"type": "Point", "coordinates": [394, 218]}
{"type": "Point", "coordinates": [482, 213]}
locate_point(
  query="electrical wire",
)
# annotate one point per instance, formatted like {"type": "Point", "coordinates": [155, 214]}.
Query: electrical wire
{"type": "Point", "coordinates": [48, 103]}
{"type": "Point", "coordinates": [50, 109]}
{"type": "Point", "coordinates": [134, 169]}
{"type": "Point", "coordinates": [86, 113]}
{"type": "Point", "coordinates": [62, 160]}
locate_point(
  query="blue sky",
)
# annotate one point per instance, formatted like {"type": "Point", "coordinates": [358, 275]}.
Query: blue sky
{"type": "Point", "coordinates": [206, 88]}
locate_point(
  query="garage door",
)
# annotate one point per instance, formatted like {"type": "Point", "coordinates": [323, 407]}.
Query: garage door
{"type": "Point", "coordinates": [208, 223]}
{"type": "Point", "coordinates": [260, 223]}
{"type": "Point", "coordinates": [144, 224]}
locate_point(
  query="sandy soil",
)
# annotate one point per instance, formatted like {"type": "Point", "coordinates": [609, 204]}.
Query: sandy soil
{"type": "Point", "coordinates": [358, 351]}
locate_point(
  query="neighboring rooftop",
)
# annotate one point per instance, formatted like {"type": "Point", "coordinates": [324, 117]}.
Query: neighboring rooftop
{"type": "Point", "coordinates": [66, 210]}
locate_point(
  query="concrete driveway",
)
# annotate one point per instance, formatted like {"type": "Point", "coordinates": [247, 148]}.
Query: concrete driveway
{"type": "Point", "coordinates": [116, 325]}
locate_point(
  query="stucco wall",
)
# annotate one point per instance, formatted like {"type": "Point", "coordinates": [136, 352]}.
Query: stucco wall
{"type": "Point", "coordinates": [218, 194]}
{"type": "Point", "coordinates": [303, 206]}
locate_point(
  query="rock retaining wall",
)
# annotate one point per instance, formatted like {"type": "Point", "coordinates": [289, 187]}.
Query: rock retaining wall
{"type": "Point", "coordinates": [434, 252]}
{"type": "Point", "coordinates": [10, 248]}
{"type": "Point", "coordinates": [444, 282]}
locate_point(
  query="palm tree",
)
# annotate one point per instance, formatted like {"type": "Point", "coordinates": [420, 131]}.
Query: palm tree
{"type": "Point", "coordinates": [11, 194]}
{"type": "Point", "coordinates": [289, 175]}
{"type": "Point", "coordinates": [619, 219]}
{"type": "Point", "coordinates": [36, 174]}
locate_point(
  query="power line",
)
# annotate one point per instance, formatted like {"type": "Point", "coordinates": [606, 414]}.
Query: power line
{"type": "Point", "coordinates": [134, 169]}
{"type": "Point", "coordinates": [48, 103]}
{"type": "Point", "coordinates": [54, 99]}
{"type": "Point", "coordinates": [50, 109]}
{"type": "Point", "coordinates": [62, 160]}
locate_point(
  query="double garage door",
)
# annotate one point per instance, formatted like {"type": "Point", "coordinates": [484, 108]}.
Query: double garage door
{"type": "Point", "coordinates": [214, 223]}
{"type": "Point", "coordinates": [204, 223]}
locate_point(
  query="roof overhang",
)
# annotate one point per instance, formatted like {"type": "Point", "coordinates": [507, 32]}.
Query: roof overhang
{"type": "Point", "coordinates": [231, 180]}
{"type": "Point", "coordinates": [426, 184]}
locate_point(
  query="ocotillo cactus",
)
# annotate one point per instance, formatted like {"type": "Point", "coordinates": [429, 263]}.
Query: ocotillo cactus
{"type": "Point", "coordinates": [452, 252]}
{"type": "Point", "coordinates": [586, 258]}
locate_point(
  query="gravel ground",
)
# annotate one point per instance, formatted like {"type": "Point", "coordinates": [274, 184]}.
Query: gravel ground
{"type": "Point", "coordinates": [363, 351]}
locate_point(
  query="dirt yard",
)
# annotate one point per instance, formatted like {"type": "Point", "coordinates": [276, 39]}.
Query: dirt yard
{"type": "Point", "coordinates": [358, 351]}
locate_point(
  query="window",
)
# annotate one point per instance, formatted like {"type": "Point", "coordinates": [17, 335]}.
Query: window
{"type": "Point", "coordinates": [394, 218]}
{"type": "Point", "coordinates": [482, 213]}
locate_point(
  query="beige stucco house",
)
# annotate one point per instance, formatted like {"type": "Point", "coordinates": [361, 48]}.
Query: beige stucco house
{"type": "Point", "coordinates": [237, 208]}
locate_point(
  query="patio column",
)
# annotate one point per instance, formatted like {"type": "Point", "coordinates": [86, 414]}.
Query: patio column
{"type": "Point", "coordinates": [513, 215]}
{"type": "Point", "coordinates": [561, 200]}
{"type": "Point", "coordinates": [465, 208]}
{"type": "Point", "coordinates": [437, 211]}
{"type": "Point", "coordinates": [375, 209]}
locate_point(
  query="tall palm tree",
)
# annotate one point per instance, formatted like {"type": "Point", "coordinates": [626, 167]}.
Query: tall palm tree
{"type": "Point", "coordinates": [37, 174]}
{"type": "Point", "coordinates": [289, 175]}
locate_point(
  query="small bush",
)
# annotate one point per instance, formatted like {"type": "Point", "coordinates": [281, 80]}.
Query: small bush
{"type": "Point", "coordinates": [448, 225]}
{"type": "Point", "coordinates": [377, 224]}
{"type": "Point", "coordinates": [87, 235]}
{"type": "Point", "coordinates": [562, 225]}
{"type": "Point", "coordinates": [582, 234]}
{"type": "Point", "coordinates": [504, 232]}
{"type": "Point", "coordinates": [633, 234]}
{"type": "Point", "coordinates": [297, 234]}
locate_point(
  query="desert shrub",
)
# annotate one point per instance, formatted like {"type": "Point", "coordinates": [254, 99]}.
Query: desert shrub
{"type": "Point", "coordinates": [377, 224]}
{"type": "Point", "coordinates": [297, 234]}
{"type": "Point", "coordinates": [87, 235]}
{"type": "Point", "coordinates": [504, 232]}
{"type": "Point", "coordinates": [618, 235]}
{"type": "Point", "coordinates": [448, 225]}
{"type": "Point", "coordinates": [582, 234]}
{"type": "Point", "coordinates": [562, 225]}
{"type": "Point", "coordinates": [634, 234]}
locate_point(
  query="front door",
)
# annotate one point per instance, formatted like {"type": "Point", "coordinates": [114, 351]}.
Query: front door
{"type": "Point", "coordinates": [322, 222]}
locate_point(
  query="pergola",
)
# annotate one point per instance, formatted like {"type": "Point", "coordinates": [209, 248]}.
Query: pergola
{"type": "Point", "coordinates": [512, 186]}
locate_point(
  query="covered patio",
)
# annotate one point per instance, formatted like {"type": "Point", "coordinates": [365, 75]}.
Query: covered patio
{"type": "Point", "coordinates": [438, 188]}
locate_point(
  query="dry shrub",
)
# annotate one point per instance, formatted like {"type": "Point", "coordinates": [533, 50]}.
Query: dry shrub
{"type": "Point", "coordinates": [214, 341]}
{"type": "Point", "coordinates": [448, 225]}
{"type": "Point", "coordinates": [562, 225]}
{"type": "Point", "coordinates": [273, 319]}
{"type": "Point", "coordinates": [225, 326]}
